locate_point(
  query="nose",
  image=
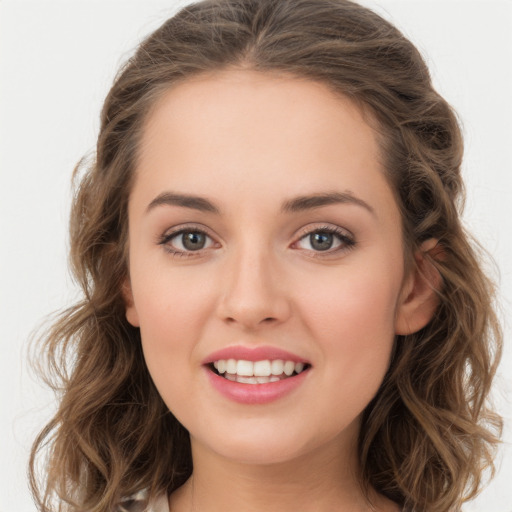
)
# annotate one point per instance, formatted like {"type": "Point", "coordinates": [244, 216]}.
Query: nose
{"type": "Point", "coordinates": [254, 292]}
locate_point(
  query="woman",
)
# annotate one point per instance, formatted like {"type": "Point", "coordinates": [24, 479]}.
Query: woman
{"type": "Point", "coordinates": [281, 310]}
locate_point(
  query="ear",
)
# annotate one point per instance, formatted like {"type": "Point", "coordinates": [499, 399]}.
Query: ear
{"type": "Point", "coordinates": [130, 311]}
{"type": "Point", "coordinates": [419, 300]}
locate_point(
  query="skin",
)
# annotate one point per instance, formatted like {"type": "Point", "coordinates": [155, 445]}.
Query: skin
{"type": "Point", "coordinates": [248, 142]}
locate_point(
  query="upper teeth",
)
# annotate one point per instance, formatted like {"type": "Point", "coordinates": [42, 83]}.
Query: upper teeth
{"type": "Point", "coordinates": [263, 368]}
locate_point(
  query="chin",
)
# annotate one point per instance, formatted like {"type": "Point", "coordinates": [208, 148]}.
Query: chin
{"type": "Point", "coordinates": [260, 455]}
{"type": "Point", "coordinates": [264, 444]}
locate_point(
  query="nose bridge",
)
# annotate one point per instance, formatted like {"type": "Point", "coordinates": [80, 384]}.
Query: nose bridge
{"type": "Point", "coordinates": [254, 293]}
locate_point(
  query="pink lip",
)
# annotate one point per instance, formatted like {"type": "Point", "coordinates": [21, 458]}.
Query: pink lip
{"type": "Point", "coordinates": [255, 393]}
{"type": "Point", "coordinates": [253, 354]}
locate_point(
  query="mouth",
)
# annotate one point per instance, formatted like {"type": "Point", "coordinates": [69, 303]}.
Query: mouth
{"type": "Point", "coordinates": [257, 372]}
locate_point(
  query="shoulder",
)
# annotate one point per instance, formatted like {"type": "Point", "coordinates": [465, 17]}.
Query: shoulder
{"type": "Point", "coordinates": [139, 503]}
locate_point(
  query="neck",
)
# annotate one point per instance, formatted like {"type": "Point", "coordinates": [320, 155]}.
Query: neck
{"type": "Point", "coordinates": [322, 481]}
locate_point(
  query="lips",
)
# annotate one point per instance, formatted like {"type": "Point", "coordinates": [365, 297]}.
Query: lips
{"type": "Point", "coordinates": [255, 375]}
{"type": "Point", "coordinates": [239, 352]}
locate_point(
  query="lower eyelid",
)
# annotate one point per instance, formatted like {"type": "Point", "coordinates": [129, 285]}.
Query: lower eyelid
{"type": "Point", "coordinates": [168, 235]}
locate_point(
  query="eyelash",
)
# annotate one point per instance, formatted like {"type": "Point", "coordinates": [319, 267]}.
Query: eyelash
{"type": "Point", "coordinates": [347, 241]}
{"type": "Point", "coordinates": [167, 237]}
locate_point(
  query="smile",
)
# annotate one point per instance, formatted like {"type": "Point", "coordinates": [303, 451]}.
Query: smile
{"type": "Point", "coordinates": [257, 372]}
{"type": "Point", "coordinates": [256, 375]}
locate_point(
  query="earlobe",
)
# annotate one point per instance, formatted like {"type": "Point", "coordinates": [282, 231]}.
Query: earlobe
{"type": "Point", "coordinates": [130, 310]}
{"type": "Point", "coordinates": [419, 299]}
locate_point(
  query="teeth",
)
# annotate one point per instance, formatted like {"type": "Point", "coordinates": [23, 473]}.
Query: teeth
{"type": "Point", "coordinates": [246, 380]}
{"type": "Point", "coordinates": [277, 367]}
{"type": "Point", "coordinates": [231, 366]}
{"type": "Point", "coordinates": [251, 380]}
{"type": "Point", "coordinates": [257, 372]}
{"type": "Point", "coordinates": [245, 368]}
{"type": "Point", "coordinates": [262, 369]}
{"type": "Point", "coordinates": [289, 367]}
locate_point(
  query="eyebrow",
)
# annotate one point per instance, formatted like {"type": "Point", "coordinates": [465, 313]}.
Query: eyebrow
{"type": "Point", "coordinates": [302, 203]}
{"type": "Point", "coordinates": [297, 204]}
{"type": "Point", "coordinates": [184, 200]}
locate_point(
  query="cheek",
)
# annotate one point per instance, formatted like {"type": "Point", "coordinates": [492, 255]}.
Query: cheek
{"type": "Point", "coordinates": [354, 321]}
{"type": "Point", "coordinates": [175, 308]}
{"type": "Point", "coordinates": [357, 302]}
{"type": "Point", "coordinates": [171, 301]}
{"type": "Point", "coordinates": [171, 315]}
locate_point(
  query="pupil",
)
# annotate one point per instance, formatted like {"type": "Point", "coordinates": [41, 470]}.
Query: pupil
{"type": "Point", "coordinates": [321, 241]}
{"type": "Point", "coordinates": [193, 241]}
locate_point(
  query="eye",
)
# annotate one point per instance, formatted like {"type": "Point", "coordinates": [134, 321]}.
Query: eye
{"type": "Point", "coordinates": [186, 241]}
{"type": "Point", "coordinates": [326, 239]}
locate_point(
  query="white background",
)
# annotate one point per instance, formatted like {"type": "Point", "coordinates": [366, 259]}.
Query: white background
{"type": "Point", "coordinates": [57, 62]}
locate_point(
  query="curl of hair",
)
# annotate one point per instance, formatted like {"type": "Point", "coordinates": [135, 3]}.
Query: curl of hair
{"type": "Point", "coordinates": [428, 434]}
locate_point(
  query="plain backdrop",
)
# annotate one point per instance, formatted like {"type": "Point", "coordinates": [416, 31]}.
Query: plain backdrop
{"type": "Point", "coordinates": [57, 62]}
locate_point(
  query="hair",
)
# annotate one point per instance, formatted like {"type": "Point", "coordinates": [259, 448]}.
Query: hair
{"type": "Point", "coordinates": [429, 434]}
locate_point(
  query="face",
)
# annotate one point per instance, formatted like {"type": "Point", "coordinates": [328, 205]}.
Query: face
{"type": "Point", "coordinates": [264, 241]}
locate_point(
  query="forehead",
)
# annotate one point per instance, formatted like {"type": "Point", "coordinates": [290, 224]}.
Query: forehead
{"type": "Point", "coordinates": [238, 107]}
{"type": "Point", "coordinates": [252, 134]}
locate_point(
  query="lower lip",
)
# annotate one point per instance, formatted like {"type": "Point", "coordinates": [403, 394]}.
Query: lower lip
{"type": "Point", "coordinates": [255, 393]}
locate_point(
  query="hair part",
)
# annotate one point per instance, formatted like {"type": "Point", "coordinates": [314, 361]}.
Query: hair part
{"type": "Point", "coordinates": [112, 434]}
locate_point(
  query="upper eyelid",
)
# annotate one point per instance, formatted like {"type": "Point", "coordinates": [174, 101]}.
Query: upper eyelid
{"type": "Point", "coordinates": [318, 226]}
{"type": "Point", "coordinates": [324, 227]}
{"type": "Point", "coordinates": [169, 232]}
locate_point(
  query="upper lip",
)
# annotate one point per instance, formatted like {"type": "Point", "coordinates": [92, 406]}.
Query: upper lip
{"type": "Point", "coordinates": [261, 353]}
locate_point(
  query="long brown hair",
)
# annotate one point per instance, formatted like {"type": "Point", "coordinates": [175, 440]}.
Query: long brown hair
{"type": "Point", "coordinates": [428, 434]}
